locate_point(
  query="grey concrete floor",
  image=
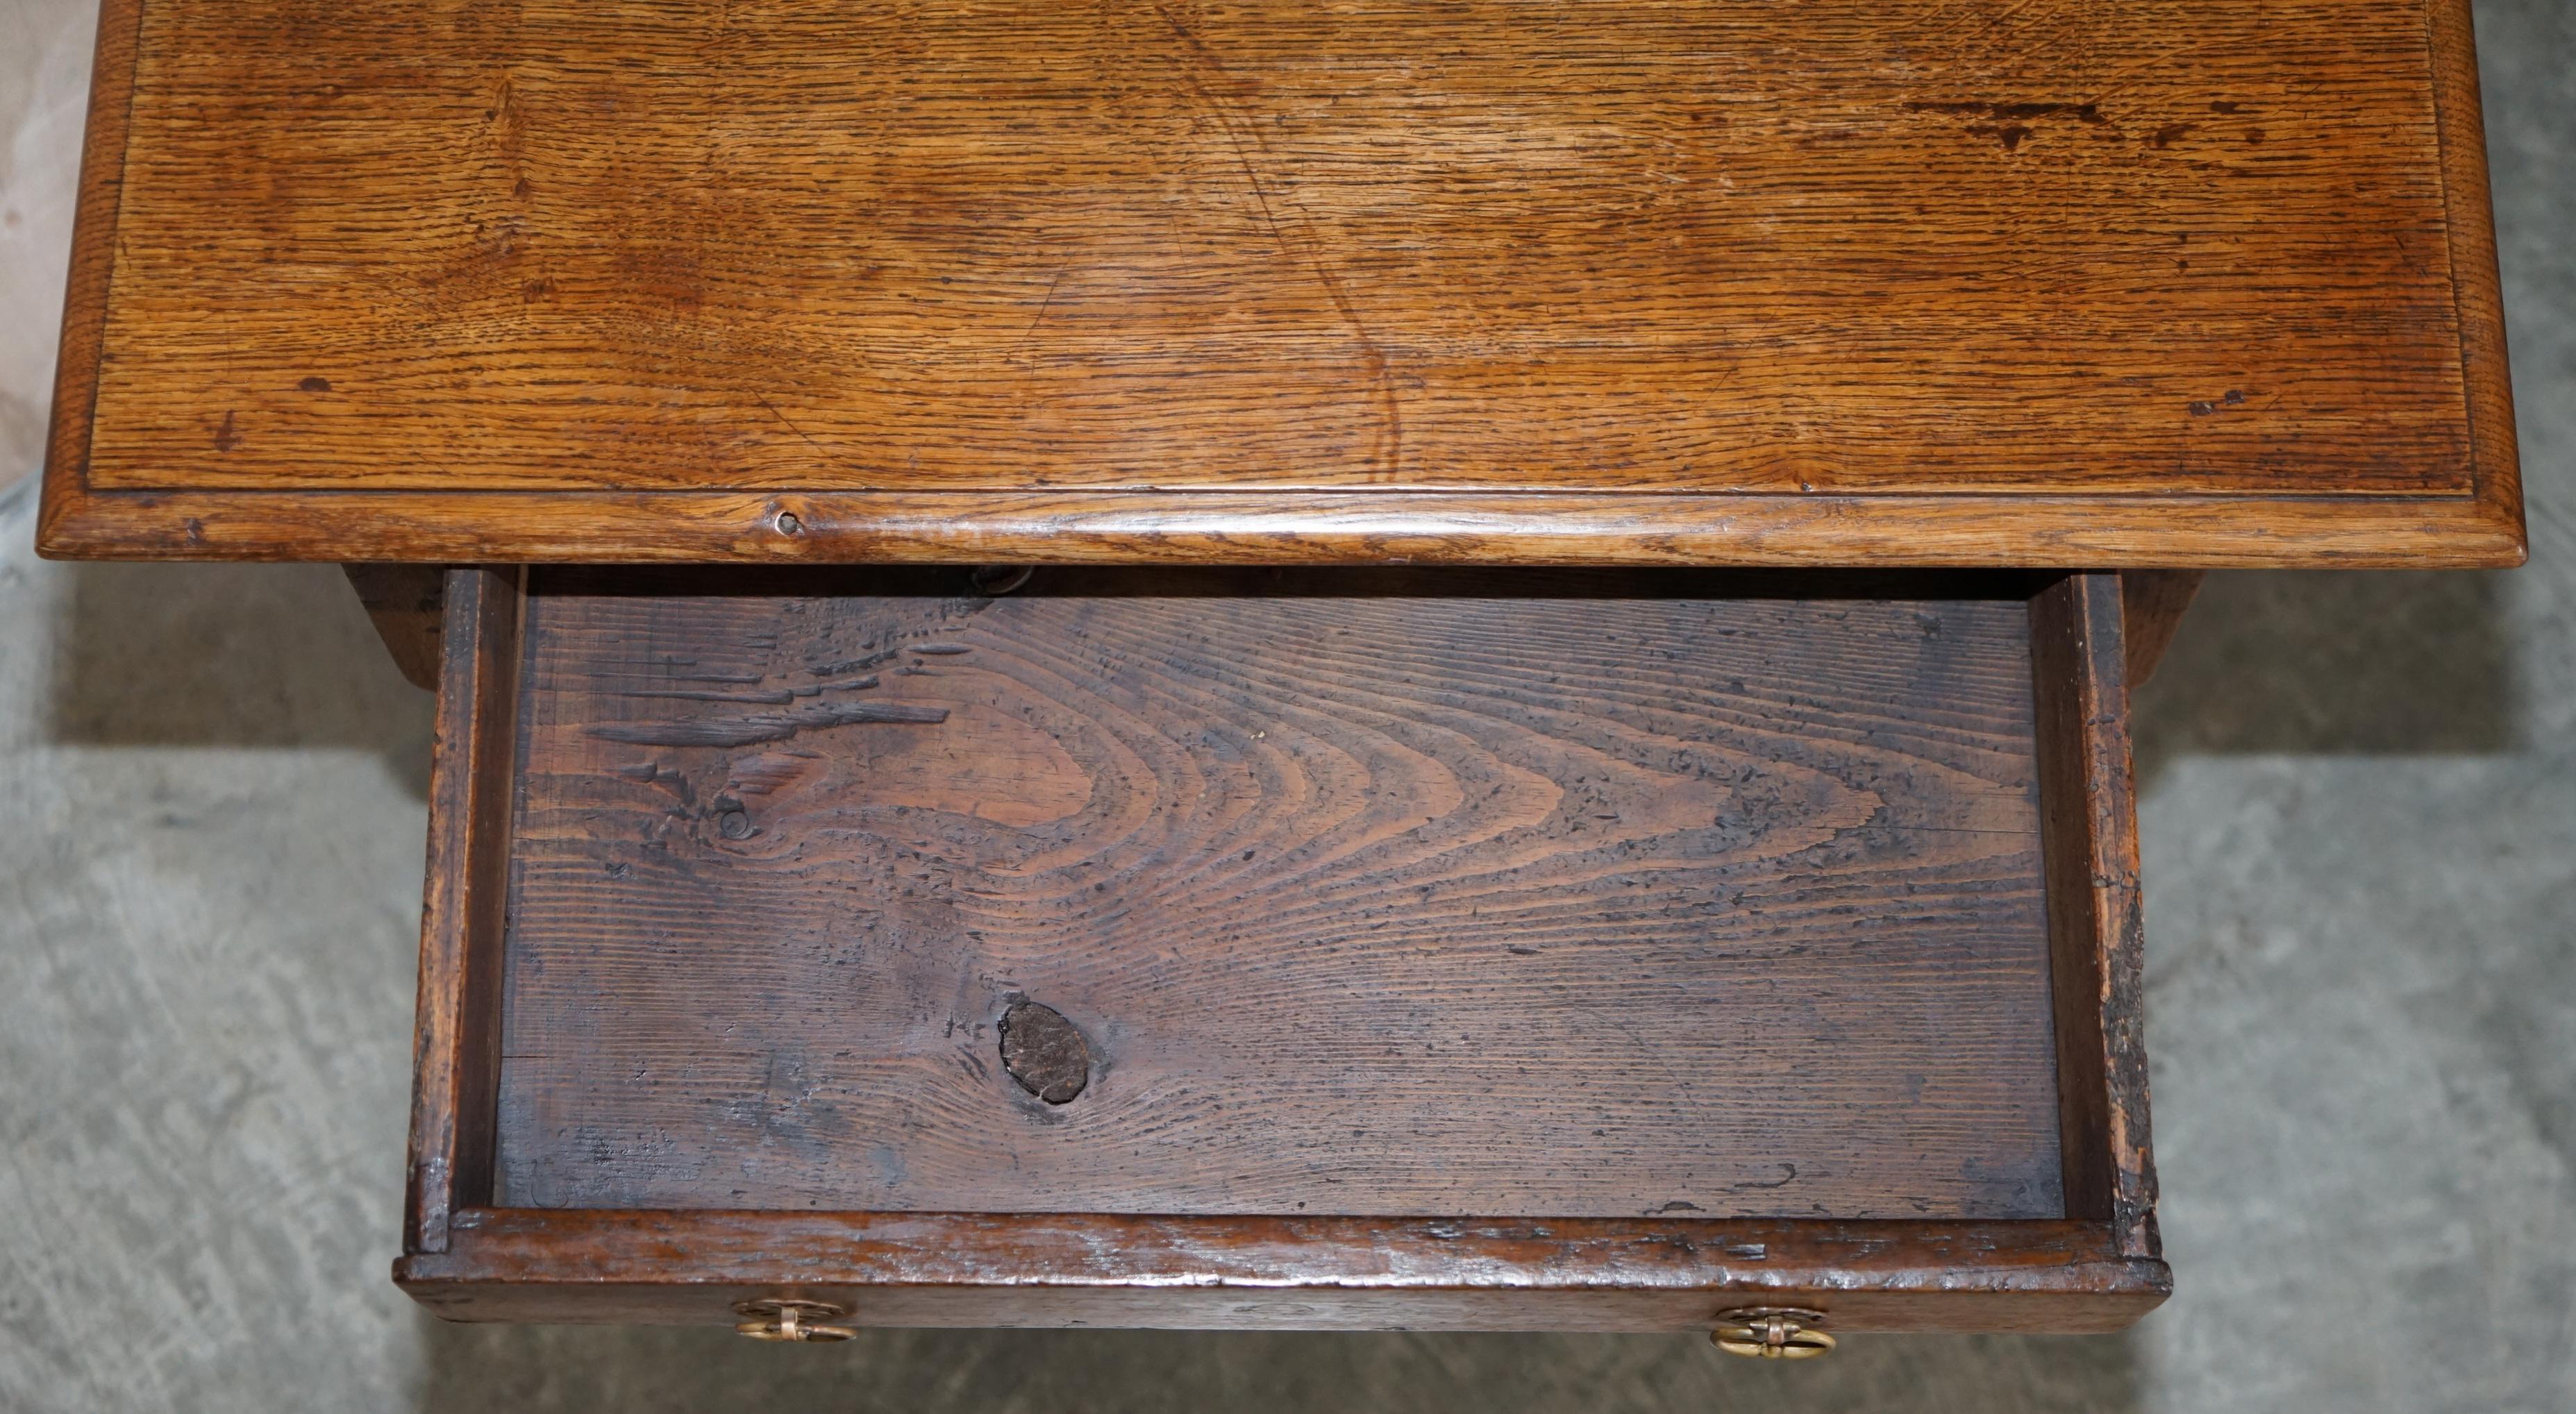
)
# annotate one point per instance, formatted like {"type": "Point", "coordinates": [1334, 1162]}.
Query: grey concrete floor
{"type": "Point", "coordinates": [2360, 823]}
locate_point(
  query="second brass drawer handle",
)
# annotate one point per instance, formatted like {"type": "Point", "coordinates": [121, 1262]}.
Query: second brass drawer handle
{"type": "Point", "coordinates": [785, 1318]}
{"type": "Point", "coordinates": [1771, 1333]}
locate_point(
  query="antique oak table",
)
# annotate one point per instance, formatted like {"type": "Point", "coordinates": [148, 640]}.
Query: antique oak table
{"type": "Point", "coordinates": [1564, 762]}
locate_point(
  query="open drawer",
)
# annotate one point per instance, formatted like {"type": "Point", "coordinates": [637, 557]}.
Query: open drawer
{"type": "Point", "coordinates": [1319, 948]}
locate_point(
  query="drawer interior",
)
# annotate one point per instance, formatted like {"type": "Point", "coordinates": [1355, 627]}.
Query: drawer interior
{"type": "Point", "coordinates": [1343, 892]}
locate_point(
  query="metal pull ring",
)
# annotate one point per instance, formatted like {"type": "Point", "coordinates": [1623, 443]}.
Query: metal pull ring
{"type": "Point", "coordinates": [785, 1318]}
{"type": "Point", "coordinates": [1771, 1333]}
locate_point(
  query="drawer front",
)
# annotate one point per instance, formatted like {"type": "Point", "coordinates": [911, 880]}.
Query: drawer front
{"type": "Point", "coordinates": [1324, 948]}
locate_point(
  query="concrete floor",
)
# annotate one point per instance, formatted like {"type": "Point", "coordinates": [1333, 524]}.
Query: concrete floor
{"type": "Point", "coordinates": [2360, 822]}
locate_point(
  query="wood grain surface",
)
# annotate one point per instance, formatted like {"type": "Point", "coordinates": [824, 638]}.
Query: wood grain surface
{"type": "Point", "coordinates": [955, 1269]}
{"type": "Point", "coordinates": [1521, 894]}
{"type": "Point", "coordinates": [456, 1037]}
{"type": "Point", "coordinates": [2181, 283]}
{"type": "Point", "coordinates": [2097, 931]}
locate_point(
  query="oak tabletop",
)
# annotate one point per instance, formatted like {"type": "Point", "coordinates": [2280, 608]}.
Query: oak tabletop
{"type": "Point", "coordinates": [2002, 282]}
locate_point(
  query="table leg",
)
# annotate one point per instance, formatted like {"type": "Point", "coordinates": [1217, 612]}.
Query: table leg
{"type": "Point", "coordinates": [404, 601]}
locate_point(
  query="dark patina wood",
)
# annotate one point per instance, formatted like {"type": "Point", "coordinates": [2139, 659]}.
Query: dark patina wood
{"type": "Point", "coordinates": [2163, 283]}
{"type": "Point", "coordinates": [2088, 817]}
{"type": "Point", "coordinates": [456, 1055]}
{"type": "Point", "coordinates": [1928, 702]}
{"type": "Point", "coordinates": [1473, 900]}
{"type": "Point", "coordinates": [949, 1269]}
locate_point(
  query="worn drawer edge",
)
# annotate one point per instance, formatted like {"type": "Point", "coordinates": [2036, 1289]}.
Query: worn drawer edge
{"type": "Point", "coordinates": [1322, 1273]}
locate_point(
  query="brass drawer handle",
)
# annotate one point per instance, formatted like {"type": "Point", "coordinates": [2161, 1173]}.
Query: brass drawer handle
{"type": "Point", "coordinates": [785, 1318]}
{"type": "Point", "coordinates": [1771, 1333]}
